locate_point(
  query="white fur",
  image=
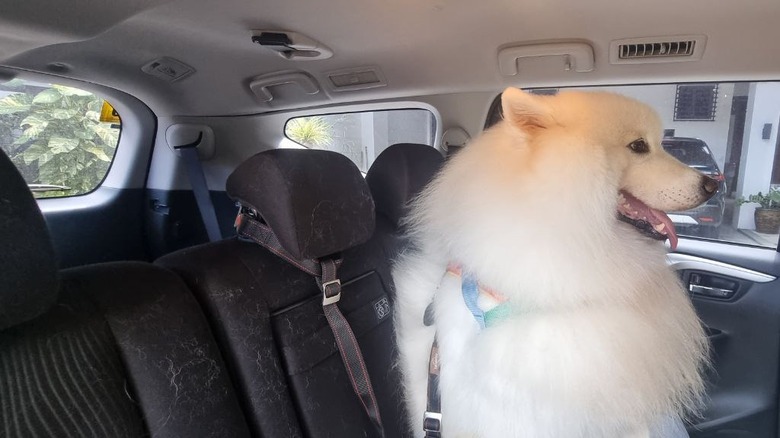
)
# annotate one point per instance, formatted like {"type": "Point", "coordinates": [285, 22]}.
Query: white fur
{"type": "Point", "coordinates": [605, 341]}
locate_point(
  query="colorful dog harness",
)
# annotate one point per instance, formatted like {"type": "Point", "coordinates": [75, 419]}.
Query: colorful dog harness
{"type": "Point", "coordinates": [486, 305]}
{"type": "Point", "coordinates": [488, 308]}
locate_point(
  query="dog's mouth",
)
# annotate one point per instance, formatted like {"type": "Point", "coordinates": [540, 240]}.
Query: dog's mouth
{"type": "Point", "coordinates": [649, 221]}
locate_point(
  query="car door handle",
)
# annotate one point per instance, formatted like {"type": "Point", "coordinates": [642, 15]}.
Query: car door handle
{"type": "Point", "coordinates": [712, 286]}
{"type": "Point", "coordinates": [709, 291]}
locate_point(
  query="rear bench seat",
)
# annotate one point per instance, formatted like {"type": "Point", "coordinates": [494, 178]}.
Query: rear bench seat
{"type": "Point", "coordinates": [267, 314]}
{"type": "Point", "coordinates": [121, 349]}
{"type": "Point", "coordinates": [110, 350]}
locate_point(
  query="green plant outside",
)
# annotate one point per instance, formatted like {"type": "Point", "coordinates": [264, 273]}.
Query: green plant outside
{"type": "Point", "coordinates": [769, 200]}
{"type": "Point", "coordinates": [54, 136]}
{"type": "Point", "coordinates": [312, 132]}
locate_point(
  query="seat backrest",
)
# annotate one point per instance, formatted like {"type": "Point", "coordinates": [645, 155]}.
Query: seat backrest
{"type": "Point", "coordinates": [268, 314]}
{"type": "Point", "coordinates": [119, 349]}
{"type": "Point", "coordinates": [398, 174]}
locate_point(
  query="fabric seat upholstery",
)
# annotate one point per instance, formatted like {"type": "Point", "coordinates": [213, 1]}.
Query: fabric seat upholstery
{"type": "Point", "coordinates": [398, 174]}
{"type": "Point", "coordinates": [118, 349]}
{"type": "Point", "coordinates": [267, 314]}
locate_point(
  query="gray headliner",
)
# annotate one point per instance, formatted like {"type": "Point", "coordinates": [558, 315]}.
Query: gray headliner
{"type": "Point", "coordinates": [422, 47]}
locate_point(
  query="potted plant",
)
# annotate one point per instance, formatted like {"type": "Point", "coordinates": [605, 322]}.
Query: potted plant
{"type": "Point", "coordinates": [767, 216]}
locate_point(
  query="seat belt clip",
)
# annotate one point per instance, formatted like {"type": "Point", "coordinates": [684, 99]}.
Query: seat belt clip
{"type": "Point", "coordinates": [432, 423]}
{"type": "Point", "coordinates": [328, 298]}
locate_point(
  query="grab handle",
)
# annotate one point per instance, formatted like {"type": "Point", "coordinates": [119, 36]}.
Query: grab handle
{"type": "Point", "coordinates": [578, 56]}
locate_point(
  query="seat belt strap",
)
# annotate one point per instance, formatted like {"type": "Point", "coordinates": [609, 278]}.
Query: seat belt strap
{"type": "Point", "coordinates": [432, 417]}
{"type": "Point", "coordinates": [249, 226]}
{"type": "Point", "coordinates": [189, 153]}
{"type": "Point", "coordinates": [347, 343]}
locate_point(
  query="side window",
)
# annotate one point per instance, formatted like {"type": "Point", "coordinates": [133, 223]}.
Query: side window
{"type": "Point", "coordinates": [361, 136]}
{"type": "Point", "coordinates": [61, 138]}
{"type": "Point", "coordinates": [728, 131]}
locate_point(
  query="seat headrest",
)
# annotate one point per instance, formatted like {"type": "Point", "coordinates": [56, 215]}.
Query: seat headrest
{"type": "Point", "coordinates": [316, 202]}
{"type": "Point", "coordinates": [398, 174]}
{"type": "Point", "coordinates": [28, 270]}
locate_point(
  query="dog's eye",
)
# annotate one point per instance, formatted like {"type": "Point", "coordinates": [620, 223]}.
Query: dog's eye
{"type": "Point", "coordinates": [639, 146]}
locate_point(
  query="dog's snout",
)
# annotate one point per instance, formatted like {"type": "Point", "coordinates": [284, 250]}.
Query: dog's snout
{"type": "Point", "coordinates": [709, 185]}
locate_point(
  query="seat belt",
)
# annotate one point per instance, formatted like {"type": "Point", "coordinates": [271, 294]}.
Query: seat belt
{"type": "Point", "coordinates": [189, 153]}
{"type": "Point", "coordinates": [432, 416]}
{"type": "Point", "coordinates": [325, 273]}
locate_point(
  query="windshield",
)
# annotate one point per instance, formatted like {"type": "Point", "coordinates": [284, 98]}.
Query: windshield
{"type": "Point", "coordinates": [692, 153]}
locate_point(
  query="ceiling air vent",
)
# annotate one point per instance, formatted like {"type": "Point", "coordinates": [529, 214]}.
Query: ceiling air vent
{"type": "Point", "coordinates": [356, 79]}
{"type": "Point", "coordinates": [657, 49]}
{"type": "Point", "coordinates": [652, 50]}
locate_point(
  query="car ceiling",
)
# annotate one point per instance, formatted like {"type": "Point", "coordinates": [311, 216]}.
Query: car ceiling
{"type": "Point", "coordinates": [422, 47]}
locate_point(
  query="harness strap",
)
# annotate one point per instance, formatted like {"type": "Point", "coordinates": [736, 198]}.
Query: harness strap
{"type": "Point", "coordinates": [470, 291]}
{"type": "Point", "coordinates": [325, 273]}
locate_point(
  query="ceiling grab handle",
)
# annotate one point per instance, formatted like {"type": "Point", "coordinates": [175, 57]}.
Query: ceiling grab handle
{"type": "Point", "coordinates": [578, 56]}
{"type": "Point", "coordinates": [261, 85]}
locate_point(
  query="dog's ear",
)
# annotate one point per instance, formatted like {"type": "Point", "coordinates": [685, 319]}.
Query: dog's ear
{"type": "Point", "coordinates": [525, 110]}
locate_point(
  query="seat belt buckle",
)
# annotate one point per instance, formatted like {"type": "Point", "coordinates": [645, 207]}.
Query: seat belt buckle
{"type": "Point", "coordinates": [331, 299]}
{"type": "Point", "coordinates": [432, 423]}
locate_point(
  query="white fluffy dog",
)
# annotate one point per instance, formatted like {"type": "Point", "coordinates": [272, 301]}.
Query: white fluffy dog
{"type": "Point", "coordinates": [558, 210]}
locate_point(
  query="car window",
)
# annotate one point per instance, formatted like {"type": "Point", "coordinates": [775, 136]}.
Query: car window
{"type": "Point", "coordinates": [361, 136]}
{"type": "Point", "coordinates": [61, 138]}
{"type": "Point", "coordinates": [728, 131]}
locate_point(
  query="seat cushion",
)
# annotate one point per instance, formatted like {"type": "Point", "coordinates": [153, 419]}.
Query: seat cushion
{"type": "Point", "coordinates": [268, 318]}
{"type": "Point", "coordinates": [62, 375]}
{"type": "Point", "coordinates": [229, 282]}
{"type": "Point", "coordinates": [126, 351]}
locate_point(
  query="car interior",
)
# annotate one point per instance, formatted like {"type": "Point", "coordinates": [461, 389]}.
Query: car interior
{"type": "Point", "coordinates": [201, 202]}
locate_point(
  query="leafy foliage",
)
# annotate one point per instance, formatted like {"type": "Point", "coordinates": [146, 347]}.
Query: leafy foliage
{"type": "Point", "coordinates": [55, 136]}
{"type": "Point", "coordinates": [770, 200]}
{"type": "Point", "coordinates": [313, 132]}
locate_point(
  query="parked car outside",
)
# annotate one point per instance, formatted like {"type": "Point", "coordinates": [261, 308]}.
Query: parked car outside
{"type": "Point", "coordinates": [705, 219]}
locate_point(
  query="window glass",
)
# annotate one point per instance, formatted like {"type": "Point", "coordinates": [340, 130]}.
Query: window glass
{"type": "Point", "coordinates": [728, 131]}
{"type": "Point", "coordinates": [361, 136]}
{"type": "Point", "coordinates": [61, 138]}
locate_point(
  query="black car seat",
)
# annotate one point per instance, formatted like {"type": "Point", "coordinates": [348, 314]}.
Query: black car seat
{"type": "Point", "coordinates": [268, 314]}
{"type": "Point", "coordinates": [110, 350]}
{"type": "Point", "coordinates": [398, 174]}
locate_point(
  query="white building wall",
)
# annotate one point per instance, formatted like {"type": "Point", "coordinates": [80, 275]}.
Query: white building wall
{"type": "Point", "coordinates": [758, 155]}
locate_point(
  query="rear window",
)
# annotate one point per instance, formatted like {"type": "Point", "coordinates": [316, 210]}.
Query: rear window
{"type": "Point", "coordinates": [361, 136]}
{"type": "Point", "coordinates": [728, 131]}
{"type": "Point", "coordinates": [61, 138]}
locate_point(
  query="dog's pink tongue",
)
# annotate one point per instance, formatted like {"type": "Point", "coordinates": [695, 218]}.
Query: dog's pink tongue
{"type": "Point", "coordinates": [634, 208]}
{"type": "Point", "coordinates": [669, 230]}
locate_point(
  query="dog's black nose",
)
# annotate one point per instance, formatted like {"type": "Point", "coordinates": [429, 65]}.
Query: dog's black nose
{"type": "Point", "coordinates": [709, 185]}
